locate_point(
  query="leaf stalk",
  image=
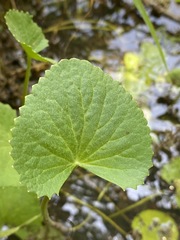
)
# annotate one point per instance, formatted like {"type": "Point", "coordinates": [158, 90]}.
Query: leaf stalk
{"type": "Point", "coordinates": [48, 220]}
{"type": "Point", "coordinates": [103, 215]}
{"type": "Point", "coordinates": [26, 80]}
{"type": "Point", "coordinates": [132, 206]}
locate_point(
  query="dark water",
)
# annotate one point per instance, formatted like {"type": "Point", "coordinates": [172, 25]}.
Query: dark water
{"type": "Point", "coordinates": [101, 32]}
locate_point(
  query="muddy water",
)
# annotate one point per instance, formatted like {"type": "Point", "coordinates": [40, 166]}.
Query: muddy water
{"type": "Point", "coordinates": [101, 32]}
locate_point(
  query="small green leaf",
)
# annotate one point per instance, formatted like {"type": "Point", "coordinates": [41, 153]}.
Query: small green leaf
{"type": "Point", "coordinates": [8, 175]}
{"type": "Point", "coordinates": [25, 30]}
{"type": "Point", "coordinates": [156, 225]}
{"type": "Point", "coordinates": [27, 33]}
{"type": "Point", "coordinates": [78, 116]}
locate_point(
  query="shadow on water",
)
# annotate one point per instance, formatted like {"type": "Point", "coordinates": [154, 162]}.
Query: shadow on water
{"type": "Point", "coordinates": [101, 32]}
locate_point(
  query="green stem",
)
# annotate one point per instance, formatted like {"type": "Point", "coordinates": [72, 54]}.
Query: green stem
{"type": "Point", "coordinates": [44, 209]}
{"type": "Point", "coordinates": [10, 231]}
{"type": "Point", "coordinates": [80, 225]}
{"type": "Point", "coordinates": [139, 5]}
{"type": "Point", "coordinates": [48, 220]}
{"type": "Point", "coordinates": [102, 193]}
{"type": "Point", "coordinates": [136, 204]}
{"type": "Point", "coordinates": [58, 225]}
{"type": "Point", "coordinates": [103, 215]}
{"type": "Point", "coordinates": [26, 80]}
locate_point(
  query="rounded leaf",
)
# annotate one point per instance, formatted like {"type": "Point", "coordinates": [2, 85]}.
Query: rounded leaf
{"type": "Point", "coordinates": [78, 116]}
{"type": "Point", "coordinates": [156, 225]}
{"type": "Point", "coordinates": [25, 30]}
{"type": "Point", "coordinates": [27, 33]}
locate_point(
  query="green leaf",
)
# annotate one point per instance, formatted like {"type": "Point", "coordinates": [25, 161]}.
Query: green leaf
{"type": "Point", "coordinates": [156, 225]}
{"type": "Point", "coordinates": [25, 30]}
{"type": "Point", "coordinates": [8, 175]}
{"type": "Point", "coordinates": [27, 33]}
{"type": "Point", "coordinates": [78, 116]}
{"type": "Point", "coordinates": [19, 208]}
{"type": "Point", "coordinates": [35, 55]}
